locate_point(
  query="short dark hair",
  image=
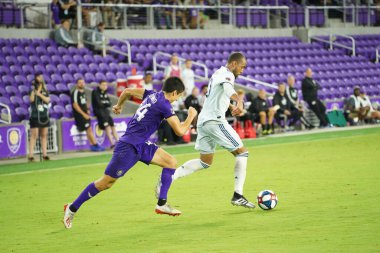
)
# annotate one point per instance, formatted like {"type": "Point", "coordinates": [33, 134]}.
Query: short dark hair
{"type": "Point", "coordinates": [235, 56]}
{"type": "Point", "coordinates": [203, 86]}
{"type": "Point", "coordinates": [173, 84]}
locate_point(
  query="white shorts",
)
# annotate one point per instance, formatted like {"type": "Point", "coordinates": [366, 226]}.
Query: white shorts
{"type": "Point", "coordinates": [212, 133]}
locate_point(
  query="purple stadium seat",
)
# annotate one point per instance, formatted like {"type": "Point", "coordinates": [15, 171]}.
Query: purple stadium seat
{"type": "Point", "coordinates": [100, 77]}
{"type": "Point", "coordinates": [59, 110]}
{"type": "Point", "coordinates": [26, 99]}
{"type": "Point", "coordinates": [16, 101]}
{"type": "Point", "coordinates": [89, 78]}
{"type": "Point", "coordinates": [24, 89]}
{"type": "Point", "coordinates": [22, 113]}
{"type": "Point", "coordinates": [51, 69]}
{"type": "Point", "coordinates": [110, 77]}
{"type": "Point", "coordinates": [11, 90]}
{"type": "Point", "coordinates": [54, 99]}
{"type": "Point", "coordinates": [68, 78]}
{"type": "Point", "coordinates": [65, 98]}
{"type": "Point", "coordinates": [61, 88]}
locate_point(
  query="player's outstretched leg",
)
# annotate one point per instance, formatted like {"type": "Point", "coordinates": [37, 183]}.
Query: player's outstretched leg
{"type": "Point", "coordinates": [162, 206]}
{"type": "Point", "coordinates": [240, 172]}
{"type": "Point", "coordinates": [186, 169]}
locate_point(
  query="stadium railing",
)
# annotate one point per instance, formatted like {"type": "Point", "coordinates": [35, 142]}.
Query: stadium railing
{"type": "Point", "coordinates": [332, 41]}
{"type": "Point", "coordinates": [157, 65]}
{"type": "Point", "coordinates": [5, 118]}
{"type": "Point", "coordinates": [84, 34]}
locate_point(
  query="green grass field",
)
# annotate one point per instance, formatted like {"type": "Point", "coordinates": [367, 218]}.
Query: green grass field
{"type": "Point", "coordinates": [327, 185]}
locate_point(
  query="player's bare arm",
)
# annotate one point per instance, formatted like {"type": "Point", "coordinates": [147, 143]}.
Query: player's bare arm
{"type": "Point", "coordinates": [180, 128]}
{"type": "Point", "coordinates": [238, 108]}
{"type": "Point", "coordinates": [126, 94]}
{"type": "Point", "coordinates": [77, 108]}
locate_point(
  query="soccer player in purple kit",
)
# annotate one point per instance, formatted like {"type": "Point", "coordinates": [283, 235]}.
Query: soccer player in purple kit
{"type": "Point", "coordinates": [133, 145]}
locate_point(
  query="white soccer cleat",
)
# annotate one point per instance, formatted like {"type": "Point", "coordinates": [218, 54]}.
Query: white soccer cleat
{"type": "Point", "coordinates": [167, 209]}
{"type": "Point", "coordinates": [242, 202]}
{"type": "Point", "coordinates": [68, 216]}
{"type": "Point", "coordinates": [157, 190]}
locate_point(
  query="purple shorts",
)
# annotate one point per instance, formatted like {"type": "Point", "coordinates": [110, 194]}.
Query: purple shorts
{"type": "Point", "coordinates": [126, 155]}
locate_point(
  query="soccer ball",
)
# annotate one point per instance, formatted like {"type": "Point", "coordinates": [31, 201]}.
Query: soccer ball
{"type": "Point", "coordinates": [267, 199]}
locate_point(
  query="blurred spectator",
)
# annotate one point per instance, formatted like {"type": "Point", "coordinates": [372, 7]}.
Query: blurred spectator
{"type": "Point", "coordinates": [82, 114]}
{"type": "Point", "coordinates": [147, 82]}
{"type": "Point", "coordinates": [192, 100]}
{"type": "Point", "coordinates": [97, 39]}
{"type": "Point", "coordinates": [367, 105]}
{"type": "Point", "coordinates": [173, 69]}
{"type": "Point", "coordinates": [109, 14]}
{"type": "Point", "coordinates": [197, 16]}
{"type": "Point", "coordinates": [283, 107]}
{"type": "Point", "coordinates": [202, 96]}
{"type": "Point", "coordinates": [160, 13]}
{"type": "Point", "coordinates": [67, 9]}
{"type": "Point", "coordinates": [187, 76]}
{"type": "Point", "coordinates": [263, 113]}
{"type": "Point", "coordinates": [291, 94]}
{"type": "Point", "coordinates": [310, 94]}
{"type": "Point", "coordinates": [54, 8]}
{"type": "Point", "coordinates": [89, 13]}
{"type": "Point", "coordinates": [356, 111]}
{"type": "Point", "coordinates": [62, 34]}
{"type": "Point", "coordinates": [101, 105]}
{"type": "Point", "coordinates": [39, 116]}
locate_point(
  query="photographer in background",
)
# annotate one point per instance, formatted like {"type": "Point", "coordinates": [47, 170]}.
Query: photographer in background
{"type": "Point", "coordinates": [39, 116]}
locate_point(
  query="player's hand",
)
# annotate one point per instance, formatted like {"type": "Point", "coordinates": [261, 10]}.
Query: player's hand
{"type": "Point", "coordinates": [287, 113]}
{"type": "Point", "coordinates": [116, 109]}
{"type": "Point", "coordinates": [236, 111]}
{"type": "Point", "coordinates": [87, 117]}
{"type": "Point", "coordinates": [192, 112]}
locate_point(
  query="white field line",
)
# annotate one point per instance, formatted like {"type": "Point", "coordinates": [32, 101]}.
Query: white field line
{"type": "Point", "coordinates": [192, 153]}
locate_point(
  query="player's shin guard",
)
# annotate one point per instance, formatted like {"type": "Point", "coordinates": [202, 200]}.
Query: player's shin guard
{"type": "Point", "coordinates": [240, 171]}
{"type": "Point", "coordinates": [166, 181]}
{"type": "Point", "coordinates": [89, 192]}
{"type": "Point", "coordinates": [189, 167]}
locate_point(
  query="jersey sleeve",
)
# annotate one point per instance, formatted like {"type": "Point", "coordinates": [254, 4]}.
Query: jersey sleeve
{"type": "Point", "coordinates": [228, 89]}
{"type": "Point", "coordinates": [147, 93]}
{"type": "Point", "coordinates": [167, 110]}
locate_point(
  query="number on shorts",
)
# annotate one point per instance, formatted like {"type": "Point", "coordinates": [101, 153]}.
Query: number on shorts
{"type": "Point", "coordinates": [140, 113]}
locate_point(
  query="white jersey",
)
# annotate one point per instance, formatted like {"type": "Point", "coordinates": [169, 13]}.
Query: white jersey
{"type": "Point", "coordinates": [220, 89]}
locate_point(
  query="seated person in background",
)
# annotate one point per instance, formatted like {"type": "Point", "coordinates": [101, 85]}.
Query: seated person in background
{"type": "Point", "coordinates": [62, 35]}
{"type": "Point", "coordinates": [82, 114]}
{"type": "Point", "coordinates": [192, 101]}
{"type": "Point", "coordinates": [367, 105]}
{"type": "Point", "coordinates": [245, 115]}
{"type": "Point", "coordinates": [282, 106]}
{"type": "Point", "coordinates": [101, 104]}
{"type": "Point", "coordinates": [291, 94]}
{"type": "Point", "coordinates": [356, 110]}
{"type": "Point", "coordinates": [97, 38]}
{"type": "Point", "coordinates": [147, 82]}
{"type": "Point", "coordinates": [263, 114]}
{"type": "Point", "coordinates": [173, 69]}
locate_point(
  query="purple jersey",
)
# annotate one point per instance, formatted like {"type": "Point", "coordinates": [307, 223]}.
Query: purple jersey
{"type": "Point", "coordinates": [147, 119]}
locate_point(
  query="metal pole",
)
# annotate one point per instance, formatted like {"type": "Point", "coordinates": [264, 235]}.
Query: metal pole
{"type": "Point", "coordinates": [307, 16]}
{"type": "Point", "coordinates": [174, 17]}
{"type": "Point", "coordinates": [268, 19]}
{"type": "Point", "coordinates": [49, 17]}
{"type": "Point", "coordinates": [79, 21]}
{"type": "Point", "coordinates": [151, 17]}
{"type": "Point", "coordinates": [124, 18]}
{"type": "Point", "coordinates": [219, 13]}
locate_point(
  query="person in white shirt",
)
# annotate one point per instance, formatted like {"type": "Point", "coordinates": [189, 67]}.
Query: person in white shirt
{"type": "Point", "coordinates": [147, 83]}
{"type": "Point", "coordinates": [365, 103]}
{"type": "Point", "coordinates": [187, 76]}
{"type": "Point", "coordinates": [213, 128]}
{"type": "Point", "coordinates": [173, 69]}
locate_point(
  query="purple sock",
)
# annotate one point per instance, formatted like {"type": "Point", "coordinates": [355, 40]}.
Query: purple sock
{"type": "Point", "coordinates": [166, 181]}
{"type": "Point", "coordinates": [86, 194]}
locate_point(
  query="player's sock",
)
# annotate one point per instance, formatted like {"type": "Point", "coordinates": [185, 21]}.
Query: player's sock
{"type": "Point", "coordinates": [166, 181]}
{"type": "Point", "coordinates": [189, 167]}
{"type": "Point", "coordinates": [89, 192]}
{"type": "Point", "coordinates": [240, 171]}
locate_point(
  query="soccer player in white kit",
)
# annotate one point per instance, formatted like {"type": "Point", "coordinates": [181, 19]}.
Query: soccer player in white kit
{"type": "Point", "coordinates": [213, 128]}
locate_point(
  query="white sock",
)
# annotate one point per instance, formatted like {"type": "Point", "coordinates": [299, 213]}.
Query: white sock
{"type": "Point", "coordinates": [188, 168]}
{"type": "Point", "coordinates": [240, 171]}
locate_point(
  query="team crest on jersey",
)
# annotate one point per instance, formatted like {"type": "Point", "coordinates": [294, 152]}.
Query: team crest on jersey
{"type": "Point", "coordinates": [228, 79]}
{"type": "Point", "coordinates": [14, 139]}
{"type": "Point", "coordinates": [99, 134]}
{"type": "Point", "coordinates": [153, 98]}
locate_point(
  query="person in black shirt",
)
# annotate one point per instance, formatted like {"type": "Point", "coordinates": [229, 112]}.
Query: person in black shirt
{"type": "Point", "coordinates": [82, 114]}
{"type": "Point", "coordinates": [193, 101]}
{"type": "Point", "coordinates": [262, 111]}
{"type": "Point", "coordinates": [101, 104]}
{"type": "Point", "coordinates": [39, 116]}
{"type": "Point", "coordinates": [310, 95]}
{"type": "Point", "coordinates": [283, 106]}
{"type": "Point", "coordinates": [291, 94]}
